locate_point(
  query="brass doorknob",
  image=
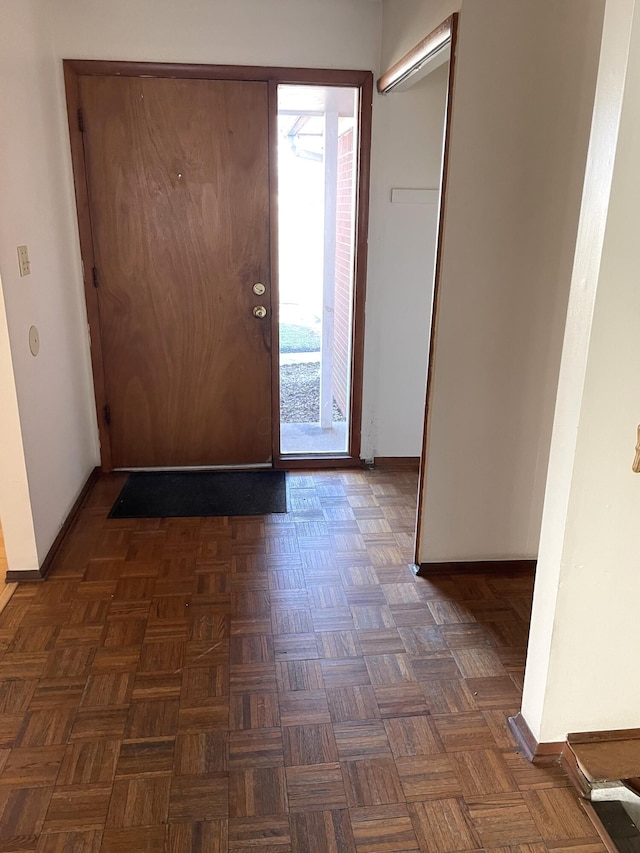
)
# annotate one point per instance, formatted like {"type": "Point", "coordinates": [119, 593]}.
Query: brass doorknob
{"type": "Point", "coordinates": [258, 288]}
{"type": "Point", "coordinates": [260, 312]}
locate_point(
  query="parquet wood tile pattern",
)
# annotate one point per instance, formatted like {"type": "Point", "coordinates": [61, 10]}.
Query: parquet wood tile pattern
{"type": "Point", "coordinates": [271, 685]}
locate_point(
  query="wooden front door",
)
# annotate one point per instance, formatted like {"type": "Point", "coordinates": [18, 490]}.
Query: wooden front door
{"type": "Point", "coordinates": [177, 175]}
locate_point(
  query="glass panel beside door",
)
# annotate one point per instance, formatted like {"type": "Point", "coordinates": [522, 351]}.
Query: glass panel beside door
{"type": "Point", "coordinates": [317, 186]}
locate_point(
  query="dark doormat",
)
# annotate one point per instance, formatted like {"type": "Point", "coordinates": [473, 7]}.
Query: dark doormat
{"type": "Point", "coordinates": [160, 494]}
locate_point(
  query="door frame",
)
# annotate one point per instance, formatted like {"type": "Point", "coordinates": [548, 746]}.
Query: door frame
{"type": "Point", "coordinates": [426, 56]}
{"type": "Point", "coordinates": [273, 76]}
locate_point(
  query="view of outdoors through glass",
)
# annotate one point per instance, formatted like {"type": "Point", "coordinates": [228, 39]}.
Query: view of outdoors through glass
{"type": "Point", "coordinates": [317, 174]}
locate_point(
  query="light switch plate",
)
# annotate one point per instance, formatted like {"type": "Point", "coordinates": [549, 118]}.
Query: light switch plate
{"type": "Point", "coordinates": [23, 261]}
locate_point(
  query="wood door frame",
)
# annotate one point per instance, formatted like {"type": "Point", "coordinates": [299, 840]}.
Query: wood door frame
{"type": "Point", "coordinates": [363, 81]}
{"type": "Point", "coordinates": [452, 22]}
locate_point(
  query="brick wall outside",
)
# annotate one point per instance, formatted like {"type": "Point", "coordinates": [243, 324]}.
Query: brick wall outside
{"type": "Point", "coordinates": [344, 268]}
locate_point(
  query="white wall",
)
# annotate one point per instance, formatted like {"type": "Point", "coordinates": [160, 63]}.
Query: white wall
{"type": "Point", "coordinates": [521, 115]}
{"type": "Point", "coordinates": [15, 504]}
{"type": "Point", "coordinates": [54, 393]}
{"type": "Point", "coordinates": [408, 137]}
{"type": "Point", "coordinates": [585, 624]}
{"type": "Point", "coordinates": [407, 153]}
{"type": "Point", "coordinates": [302, 33]}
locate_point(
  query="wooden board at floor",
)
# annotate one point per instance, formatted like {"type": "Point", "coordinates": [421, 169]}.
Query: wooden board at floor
{"type": "Point", "coordinates": [609, 760]}
{"type": "Point", "coordinates": [3, 558]}
{"type": "Point", "coordinates": [6, 589]}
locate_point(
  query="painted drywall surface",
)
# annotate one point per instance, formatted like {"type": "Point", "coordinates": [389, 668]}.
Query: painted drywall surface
{"type": "Point", "coordinates": [15, 504]}
{"type": "Point", "coordinates": [36, 208]}
{"type": "Point", "coordinates": [406, 22]}
{"type": "Point", "coordinates": [302, 33]}
{"type": "Point", "coordinates": [407, 153]}
{"type": "Point", "coordinates": [521, 115]}
{"type": "Point", "coordinates": [588, 583]}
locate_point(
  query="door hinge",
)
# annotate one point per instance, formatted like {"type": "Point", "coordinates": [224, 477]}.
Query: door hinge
{"type": "Point", "coordinates": [80, 120]}
{"type": "Point", "coordinates": [107, 415]}
{"type": "Point", "coordinates": [95, 277]}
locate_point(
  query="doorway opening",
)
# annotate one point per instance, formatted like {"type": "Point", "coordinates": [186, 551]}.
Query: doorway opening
{"type": "Point", "coordinates": [317, 157]}
{"type": "Point", "coordinates": [436, 49]}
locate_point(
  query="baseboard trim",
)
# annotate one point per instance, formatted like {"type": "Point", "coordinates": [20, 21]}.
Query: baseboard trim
{"type": "Point", "coordinates": [471, 566]}
{"type": "Point", "coordinates": [22, 576]}
{"type": "Point", "coordinates": [540, 754]}
{"type": "Point", "coordinates": [397, 463]}
{"type": "Point", "coordinates": [603, 737]}
{"type": "Point", "coordinates": [16, 576]}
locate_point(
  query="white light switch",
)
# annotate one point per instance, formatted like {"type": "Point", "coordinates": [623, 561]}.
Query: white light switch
{"type": "Point", "coordinates": [23, 261]}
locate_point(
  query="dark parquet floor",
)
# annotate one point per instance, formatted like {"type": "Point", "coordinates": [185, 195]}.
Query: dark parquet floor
{"type": "Point", "coordinates": [270, 685]}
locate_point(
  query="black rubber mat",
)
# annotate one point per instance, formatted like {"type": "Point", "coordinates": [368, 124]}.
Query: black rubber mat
{"type": "Point", "coordinates": [619, 825]}
{"type": "Point", "coordinates": [161, 494]}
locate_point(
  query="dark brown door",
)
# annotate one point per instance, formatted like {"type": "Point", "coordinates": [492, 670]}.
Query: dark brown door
{"type": "Point", "coordinates": [178, 180]}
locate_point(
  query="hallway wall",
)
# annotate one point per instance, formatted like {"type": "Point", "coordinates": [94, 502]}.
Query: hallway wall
{"type": "Point", "coordinates": [522, 109]}
{"type": "Point", "coordinates": [44, 467]}
{"type": "Point", "coordinates": [19, 544]}
{"type": "Point", "coordinates": [407, 154]}
{"type": "Point", "coordinates": [585, 626]}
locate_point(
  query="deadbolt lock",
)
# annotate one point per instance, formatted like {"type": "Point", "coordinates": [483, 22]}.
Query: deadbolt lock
{"type": "Point", "coordinates": [260, 312]}
{"type": "Point", "coordinates": [259, 288]}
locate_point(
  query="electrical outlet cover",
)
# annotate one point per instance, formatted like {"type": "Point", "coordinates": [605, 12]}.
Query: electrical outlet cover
{"type": "Point", "coordinates": [23, 261]}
